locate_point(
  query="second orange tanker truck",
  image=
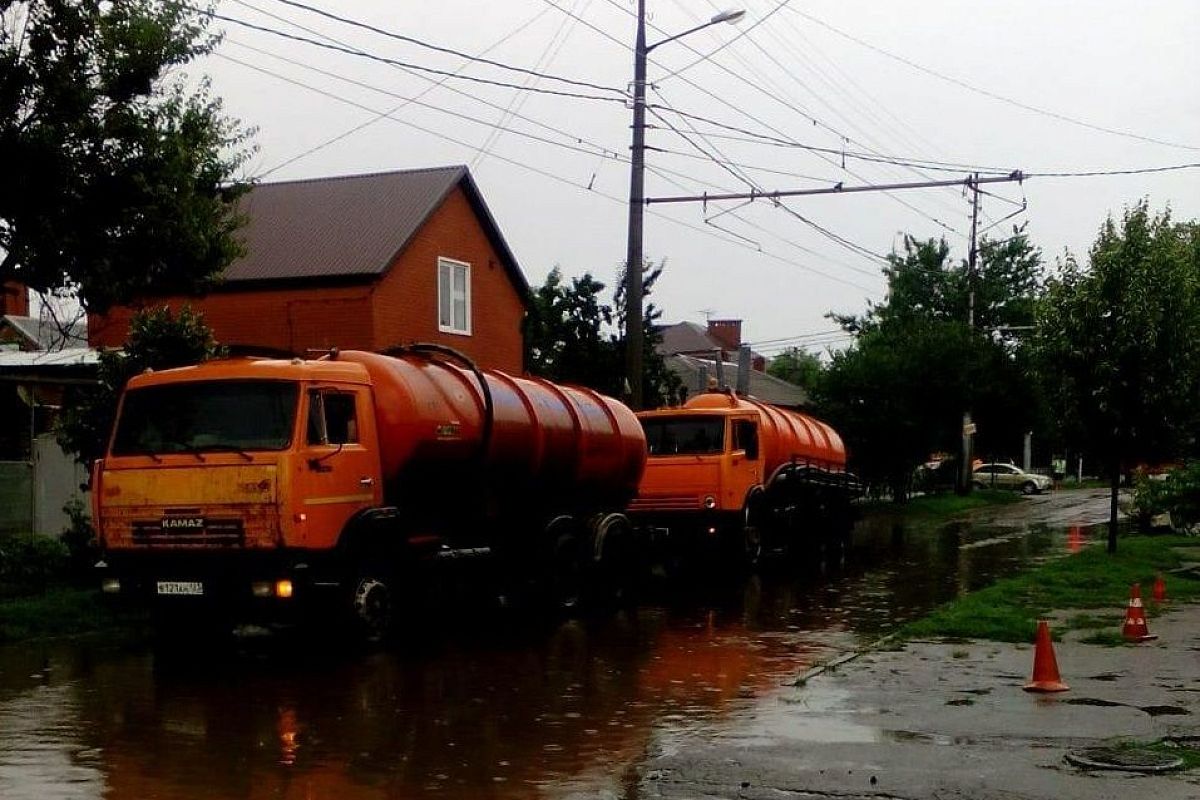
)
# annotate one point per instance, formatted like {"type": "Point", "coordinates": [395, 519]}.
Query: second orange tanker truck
{"type": "Point", "coordinates": [730, 473]}
{"type": "Point", "coordinates": [278, 483]}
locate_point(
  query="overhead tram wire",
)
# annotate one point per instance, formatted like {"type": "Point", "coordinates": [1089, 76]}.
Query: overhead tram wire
{"type": "Point", "coordinates": [705, 231]}
{"type": "Point", "coordinates": [446, 50]}
{"type": "Point", "coordinates": [433, 84]}
{"type": "Point", "coordinates": [841, 241]}
{"type": "Point", "coordinates": [804, 113]}
{"type": "Point", "coordinates": [990, 94]}
{"type": "Point", "coordinates": [517, 101]}
{"type": "Point", "coordinates": [866, 139]}
{"type": "Point", "coordinates": [374, 119]}
{"type": "Point", "coordinates": [599, 149]}
{"type": "Point", "coordinates": [359, 53]}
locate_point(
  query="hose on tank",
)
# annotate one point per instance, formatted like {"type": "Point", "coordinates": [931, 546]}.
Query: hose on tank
{"type": "Point", "coordinates": [430, 349]}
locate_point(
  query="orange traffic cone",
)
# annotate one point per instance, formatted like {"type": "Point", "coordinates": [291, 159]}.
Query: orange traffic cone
{"type": "Point", "coordinates": [1160, 590]}
{"type": "Point", "coordinates": [1045, 665]}
{"type": "Point", "coordinates": [1135, 628]}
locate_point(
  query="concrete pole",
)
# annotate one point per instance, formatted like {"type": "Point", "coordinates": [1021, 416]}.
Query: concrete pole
{"type": "Point", "coordinates": [637, 181]}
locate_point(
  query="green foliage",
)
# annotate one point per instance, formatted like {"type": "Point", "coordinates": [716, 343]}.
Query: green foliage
{"type": "Point", "coordinates": [798, 367]}
{"type": "Point", "coordinates": [157, 340]}
{"type": "Point", "coordinates": [28, 564]}
{"type": "Point", "coordinates": [80, 540]}
{"type": "Point", "coordinates": [1177, 494]}
{"type": "Point", "coordinates": [1008, 610]}
{"type": "Point", "coordinates": [570, 337]}
{"type": "Point", "coordinates": [1119, 341]}
{"type": "Point", "coordinates": [118, 178]}
{"type": "Point", "coordinates": [63, 611]}
{"type": "Point", "coordinates": [899, 393]}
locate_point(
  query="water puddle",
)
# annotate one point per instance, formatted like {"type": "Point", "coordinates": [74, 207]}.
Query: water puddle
{"type": "Point", "coordinates": [499, 707]}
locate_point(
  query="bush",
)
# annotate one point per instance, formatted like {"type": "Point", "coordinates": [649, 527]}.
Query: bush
{"type": "Point", "coordinates": [1177, 493]}
{"type": "Point", "coordinates": [29, 563]}
{"type": "Point", "coordinates": [80, 540]}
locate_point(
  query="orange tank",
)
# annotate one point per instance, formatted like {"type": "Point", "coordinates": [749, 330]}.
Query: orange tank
{"type": "Point", "coordinates": [535, 442]}
{"type": "Point", "coordinates": [784, 435]}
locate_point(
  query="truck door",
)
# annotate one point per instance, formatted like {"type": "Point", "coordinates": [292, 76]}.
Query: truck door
{"type": "Point", "coordinates": [338, 471]}
{"type": "Point", "coordinates": [745, 463]}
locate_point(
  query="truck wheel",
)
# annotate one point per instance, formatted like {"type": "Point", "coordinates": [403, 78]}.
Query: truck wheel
{"type": "Point", "coordinates": [567, 572]}
{"type": "Point", "coordinates": [618, 564]}
{"type": "Point", "coordinates": [373, 606]}
{"type": "Point", "coordinates": [752, 533]}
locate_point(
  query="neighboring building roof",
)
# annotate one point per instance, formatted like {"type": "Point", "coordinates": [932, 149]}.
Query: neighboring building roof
{"type": "Point", "coordinates": [687, 337]}
{"type": "Point", "coordinates": [690, 338]}
{"type": "Point", "coordinates": [349, 226]}
{"type": "Point", "coordinates": [73, 365]}
{"type": "Point", "coordinates": [763, 387]}
{"type": "Point", "coordinates": [43, 334]}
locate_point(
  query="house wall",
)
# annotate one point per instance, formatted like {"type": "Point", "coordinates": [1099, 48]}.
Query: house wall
{"type": "Point", "coordinates": [286, 319]}
{"type": "Point", "coordinates": [405, 305]}
{"type": "Point", "coordinates": [14, 299]}
{"type": "Point", "coordinates": [400, 307]}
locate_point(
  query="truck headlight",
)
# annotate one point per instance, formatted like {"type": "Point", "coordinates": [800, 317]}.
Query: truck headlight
{"type": "Point", "coordinates": [710, 502]}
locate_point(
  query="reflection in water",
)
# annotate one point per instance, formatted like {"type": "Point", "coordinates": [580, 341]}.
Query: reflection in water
{"type": "Point", "coordinates": [495, 708]}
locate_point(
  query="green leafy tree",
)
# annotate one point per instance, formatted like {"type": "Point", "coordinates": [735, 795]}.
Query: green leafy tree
{"type": "Point", "coordinates": [157, 340]}
{"type": "Point", "coordinates": [798, 367]}
{"type": "Point", "coordinates": [119, 180]}
{"type": "Point", "coordinates": [898, 394]}
{"type": "Point", "coordinates": [1118, 342]}
{"type": "Point", "coordinates": [573, 336]}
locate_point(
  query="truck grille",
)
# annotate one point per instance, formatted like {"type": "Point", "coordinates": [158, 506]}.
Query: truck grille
{"type": "Point", "coordinates": [212, 531]}
{"type": "Point", "coordinates": [666, 502]}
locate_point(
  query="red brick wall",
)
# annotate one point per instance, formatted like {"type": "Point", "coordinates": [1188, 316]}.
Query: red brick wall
{"type": "Point", "coordinates": [401, 307]}
{"type": "Point", "coordinates": [14, 299]}
{"type": "Point", "coordinates": [405, 303]}
{"type": "Point", "coordinates": [285, 319]}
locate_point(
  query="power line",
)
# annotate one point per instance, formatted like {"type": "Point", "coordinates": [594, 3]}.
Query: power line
{"type": "Point", "coordinates": [1101, 172]}
{"type": "Point", "coordinates": [449, 51]}
{"type": "Point", "coordinates": [547, 174]}
{"type": "Point", "coordinates": [371, 121]}
{"type": "Point", "coordinates": [742, 33]}
{"type": "Point", "coordinates": [986, 93]}
{"type": "Point", "coordinates": [404, 64]}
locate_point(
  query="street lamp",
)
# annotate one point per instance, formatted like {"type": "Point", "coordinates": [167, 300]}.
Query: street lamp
{"type": "Point", "coordinates": [637, 178]}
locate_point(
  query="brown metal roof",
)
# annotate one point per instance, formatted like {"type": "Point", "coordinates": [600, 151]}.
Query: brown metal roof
{"type": "Point", "coordinates": [348, 226]}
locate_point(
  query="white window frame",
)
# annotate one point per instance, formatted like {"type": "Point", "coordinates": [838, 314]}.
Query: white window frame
{"type": "Point", "coordinates": [442, 287]}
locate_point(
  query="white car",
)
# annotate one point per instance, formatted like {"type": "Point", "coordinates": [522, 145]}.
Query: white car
{"type": "Point", "coordinates": [1009, 476]}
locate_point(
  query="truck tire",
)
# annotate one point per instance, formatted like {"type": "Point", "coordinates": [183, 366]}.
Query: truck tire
{"type": "Point", "coordinates": [373, 605]}
{"type": "Point", "coordinates": [753, 531]}
{"type": "Point", "coordinates": [616, 559]}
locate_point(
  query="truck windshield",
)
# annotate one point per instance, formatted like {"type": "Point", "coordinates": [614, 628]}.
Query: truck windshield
{"type": "Point", "coordinates": [217, 415]}
{"type": "Point", "coordinates": [666, 436]}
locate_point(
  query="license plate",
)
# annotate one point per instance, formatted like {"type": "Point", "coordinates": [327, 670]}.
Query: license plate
{"type": "Point", "coordinates": [180, 587]}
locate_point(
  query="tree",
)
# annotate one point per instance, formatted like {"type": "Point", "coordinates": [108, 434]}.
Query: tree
{"type": "Point", "coordinates": [796, 366]}
{"type": "Point", "coordinates": [1118, 342]}
{"type": "Point", "coordinates": [566, 334]}
{"type": "Point", "coordinates": [572, 336]}
{"type": "Point", "coordinates": [157, 340]}
{"type": "Point", "coordinates": [118, 178]}
{"type": "Point", "coordinates": [898, 394]}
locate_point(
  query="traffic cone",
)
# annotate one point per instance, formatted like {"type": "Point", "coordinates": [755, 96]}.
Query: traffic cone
{"type": "Point", "coordinates": [1135, 628]}
{"type": "Point", "coordinates": [1160, 590]}
{"type": "Point", "coordinates": [1045, 665]}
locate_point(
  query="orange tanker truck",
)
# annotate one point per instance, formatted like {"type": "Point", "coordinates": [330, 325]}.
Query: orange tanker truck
{"type": "Point", "coordinates": [273, 484]}
{"type": "Point", "coordinates": [729, 471]}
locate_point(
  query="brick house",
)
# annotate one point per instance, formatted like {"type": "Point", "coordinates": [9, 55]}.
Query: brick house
{"type": "Point", "coordinates": [364, 262]}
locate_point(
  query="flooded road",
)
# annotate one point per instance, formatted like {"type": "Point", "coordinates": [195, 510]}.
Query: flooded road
{"type": "Point", "coordinates": [502, 707]}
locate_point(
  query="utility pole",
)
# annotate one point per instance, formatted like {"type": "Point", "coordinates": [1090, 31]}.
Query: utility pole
{"type": "Point", "coordinates": [637, 182]}
{"type": "Point", "coordinates": [634, 344]}
{"type": "Point", "coordinates": [968, 427]}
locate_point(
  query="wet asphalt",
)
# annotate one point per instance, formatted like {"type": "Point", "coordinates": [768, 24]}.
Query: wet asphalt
{"type": "Point", "coordinates": [501, 704]}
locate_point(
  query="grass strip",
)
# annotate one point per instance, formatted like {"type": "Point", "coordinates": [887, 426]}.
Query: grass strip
{"type": "Point", "coordinates": [63, 611]}
{"type": "Point", "coordinates": [1008, 610]}
{"type": "Point", "coordinates": [946, 506]}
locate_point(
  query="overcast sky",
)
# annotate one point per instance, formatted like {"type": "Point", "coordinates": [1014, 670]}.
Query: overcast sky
{"type": "Point", "coordinates": [557, 180]}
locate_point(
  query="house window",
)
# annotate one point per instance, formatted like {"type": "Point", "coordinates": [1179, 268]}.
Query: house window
{"type": "Point", "coordinates": [454, 297]}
